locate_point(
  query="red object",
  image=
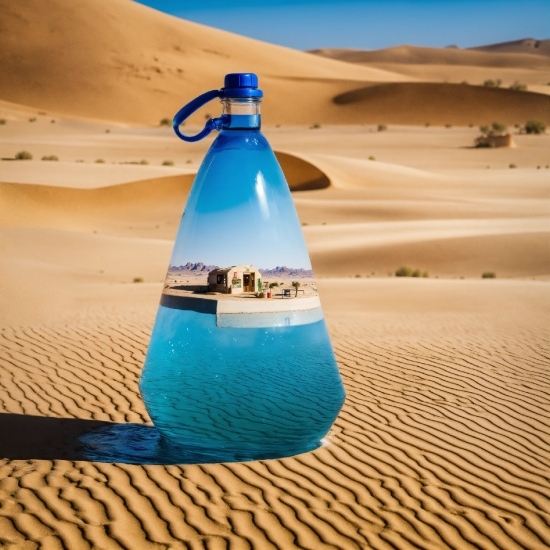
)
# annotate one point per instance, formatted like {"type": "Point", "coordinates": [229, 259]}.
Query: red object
{"type": "Point", "coordinates": [269, 294]}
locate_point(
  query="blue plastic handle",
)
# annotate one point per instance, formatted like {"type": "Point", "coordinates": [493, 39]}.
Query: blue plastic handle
{"type": "Point", "coordinates": [190, 108]}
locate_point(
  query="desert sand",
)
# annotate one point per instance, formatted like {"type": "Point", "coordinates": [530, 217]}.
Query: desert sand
{"type": "Point", "coordinates": [443, 441]}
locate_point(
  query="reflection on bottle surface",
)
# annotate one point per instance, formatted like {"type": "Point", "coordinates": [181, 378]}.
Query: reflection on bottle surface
{"type": "Point", "coordinates": [242, 393]}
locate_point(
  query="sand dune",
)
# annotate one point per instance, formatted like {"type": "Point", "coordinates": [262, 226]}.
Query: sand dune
{"type": "Point", "coordinates": [525, 45]}
{"type": "Point", "coordinates": [119, 60]}
{"type": "Point", "coordinates": [474, 66]}
{"type": "Point", "coordinates": [421, 103]}
{"type": "Point", "coordinates": [441, 444]}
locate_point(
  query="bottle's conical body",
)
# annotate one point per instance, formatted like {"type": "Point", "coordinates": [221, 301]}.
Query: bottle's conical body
{"type": "Point", "coordinates": [229, 372]}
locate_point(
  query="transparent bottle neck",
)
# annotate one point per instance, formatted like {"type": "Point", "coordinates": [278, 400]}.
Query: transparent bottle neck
{"type": "Point", "coordinates": [241, 113]}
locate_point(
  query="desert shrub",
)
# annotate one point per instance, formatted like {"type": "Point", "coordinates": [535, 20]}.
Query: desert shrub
{"type": "Point", "coordinates": [100, 161]}
{"type": "Point", "coordinates": [464, 83]}
{"type": "Point", "coordinates": [138, 280]}
{"type": "Point", "coordinates": [23, 155]}
{"type": "Point", "coordinates": [32, 119]}
{"type": "Point", "coordinates": [2, 121]}
{"type": "Point", "coordinates": [80, 160]}
{"type": "Point", "coordinates": [52, 121]}
{"type": "Point", "coordinates": [207, 116]}
{"type": "Point", "coordinates": [168, 163]}
{"type": "Point", "coordinates": [448, 125]}
{"type": "Point", "coordinates": [49, 157]}
{"type": "Point", "coordinates": [403, 271]}
{"type": "Point", "coordinates": [470, 125]}
{"type": "Point", "coordinates": [495, 129]}
{"type": "Point", "coordinates": [143, 161]}
{"type": "Point", "coordinates": [189, 161]}
{"type": "Point", "coordinates": [490, 83]}
{"type": "Point", "coordinates": [165, 122]}
{"type": "Point", "coordinates": [488, 275]}
{"type": "Point", "coordinates": [382, 127]}
{"type": "Point", "coordinates": [534, 127]}
{"type": "Point", "coordinates": [427, 124]}
{"type": "Point", "coordinates": [315, 126]}
{"type": "Point", "coordinates": [107, 131]}
{"type": "Point", "coordinates": [372, 158]}
{"type": "Point", "coordinates": [518, 86]}
{"type": "Point", "coordinates": [273, 285]}
{"type": "Point", "coordinates": [512, 166]}
{"type": "Point", "coordinates": [358, 276]}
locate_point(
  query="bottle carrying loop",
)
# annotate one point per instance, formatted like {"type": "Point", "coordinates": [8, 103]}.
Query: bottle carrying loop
{"type": "Point", "coordinates": [186, 111]}
{"type": "Point", "coordinates": [236, 85]}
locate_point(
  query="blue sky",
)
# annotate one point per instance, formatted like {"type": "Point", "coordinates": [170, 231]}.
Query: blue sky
{"type": "Point", "coordinates": [369, 24]}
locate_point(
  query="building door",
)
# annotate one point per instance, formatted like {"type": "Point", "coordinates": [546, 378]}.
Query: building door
{"type": "Point", "coordinates": [248, 282]}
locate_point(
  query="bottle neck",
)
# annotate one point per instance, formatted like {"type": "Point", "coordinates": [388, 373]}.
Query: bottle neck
{"type": "Point", "coordinates": [241, 113]}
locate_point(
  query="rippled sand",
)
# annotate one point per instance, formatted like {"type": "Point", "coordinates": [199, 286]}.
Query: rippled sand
{"type": "Point", "coordinates": [442, 443]}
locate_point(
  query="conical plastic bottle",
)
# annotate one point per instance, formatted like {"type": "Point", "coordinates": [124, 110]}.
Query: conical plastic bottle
{"type": "Point", "coordinates": [240, 364]}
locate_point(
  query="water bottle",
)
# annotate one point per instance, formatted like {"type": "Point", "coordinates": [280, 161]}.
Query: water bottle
{"type": "Point", "coordinates": [231, 374]}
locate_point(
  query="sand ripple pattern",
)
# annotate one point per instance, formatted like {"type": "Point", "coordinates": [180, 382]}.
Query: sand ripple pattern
{"type": "Point", "coordinates": [443, 443]}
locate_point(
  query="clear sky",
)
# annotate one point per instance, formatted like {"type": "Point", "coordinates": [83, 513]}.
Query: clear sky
{"type": "Point", "coordinates": [369, 24]}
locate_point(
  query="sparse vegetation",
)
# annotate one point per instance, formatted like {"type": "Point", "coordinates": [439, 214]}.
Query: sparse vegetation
{"type": "Point", "coordinates": [488, 275]}
{"type": "Point", "coordinates": [165, 122]}
{"type": "Point", "coordinates": [427, 124]}
{"type": "Point", "coordinates": [52, 121]}
{"type": "Point", "coordinates": [168, 163]}
{"type": "Point", "coordinates": [382, 127]}
{"type": "Point", "coordinates": [2, 121]}
{"type": "Point", "coordinates": [296, 285]}
{"type": "Point", "coordinates": [80, 160]}
{"type": "Point", "coordinates": [406, 271]}
{"type": "Point", "coordinates": [512, 166]}
{"type": "Point", "coordinates": [188, 161]}
{"type": "Point", "coordinates": [534, 127]}
{"type": "Point", "coordinates": [273, 285]}
{"type": "Point", "coordinates": [23, 155]}
{"type": "Point", "coordinates": [32, 119]}
{"type": "Point", "coordinates": [464, 83]}
{"type": "Point", "coordinates": [107, 131]}
{"type": "Point", "coordinates": [496, 129]}
{"type": "Point", "coordinates": [490, 83]}
{"type": "Point", "coordinates": [207, 116]}
{"type": "Point", "coordinates": [358, 276]}
{"type": "Point", "coordinates": [144, 162]}
{"type": "Point", "coordinates": [518, 86]}
{"type": "Point", "coordinates": [372, 158]}
{"type": "Point", "coordinates": [314, 126]}
{"type": "Point", "coordinates": [100, 161]}
{"type": "Point", "coordinates": [49, 157]}
{"type": "Point", "coordinates": [138, 280]}
{"type": "Point", "coordinates": [448, 125]}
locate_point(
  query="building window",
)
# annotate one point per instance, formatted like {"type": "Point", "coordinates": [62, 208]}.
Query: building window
{"type": "Point", "coordinates": [221, 279]}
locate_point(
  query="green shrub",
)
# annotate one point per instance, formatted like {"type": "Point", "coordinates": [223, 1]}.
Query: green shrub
{"type": "Point", "coordinates": [535, 127]}
{"type": "Point", "coordinates": [165, 122]}
{"type": "Point", "coordinates": [488, 275]}
{"type": "Point", "coordinates": [404, 272]}
{"type": "Point", "coordinates": [273, 285]}
{"type": "Point", "coordinates": [382, 127]}
{"type": "Point", "coordinates": [490, 83]}
{"type": "Point", "coordinates": [23, 155]}
{"type": "Point", "coordinates": [50, 157]}
{"type": "Point", "coordinates": [518, 86]}
{"type": "Point", "coordinates": [168, 163]}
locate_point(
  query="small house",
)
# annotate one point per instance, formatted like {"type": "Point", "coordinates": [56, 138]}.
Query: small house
{"type": "Point", "coordinates": [235, 279]}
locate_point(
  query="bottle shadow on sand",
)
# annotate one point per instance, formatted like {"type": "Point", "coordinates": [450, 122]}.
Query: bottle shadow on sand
{"type": "Point", "coordinates": [26, 437]}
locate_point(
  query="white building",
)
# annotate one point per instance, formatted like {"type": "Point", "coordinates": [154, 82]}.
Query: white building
{"type": "Point", "coordinates": [235, 279]}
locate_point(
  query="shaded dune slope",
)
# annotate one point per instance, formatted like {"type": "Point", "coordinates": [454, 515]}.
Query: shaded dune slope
{"type": "Point", "coordinates": [442, 443]}
{"type": "Point", "coordinates": [439, 103]}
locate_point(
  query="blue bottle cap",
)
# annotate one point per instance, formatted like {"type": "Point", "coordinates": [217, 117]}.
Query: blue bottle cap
{"type": "Point", "coordinates": [241, 85]}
